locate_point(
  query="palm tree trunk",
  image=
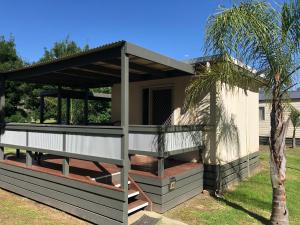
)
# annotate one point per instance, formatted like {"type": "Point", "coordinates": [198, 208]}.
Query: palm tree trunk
{"type": "Point", "coordinates": [278, 160]}
{"type": "Point", "coordinates": [294, 138]}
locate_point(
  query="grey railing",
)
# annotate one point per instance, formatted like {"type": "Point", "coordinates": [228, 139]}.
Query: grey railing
{"type": "Point", "coordinates": [94, 143]}
{"type": "Point", "coordinates": [164, 141]}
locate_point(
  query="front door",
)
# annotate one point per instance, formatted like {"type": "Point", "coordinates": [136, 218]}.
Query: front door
{"type": "Point", "coordinates": [161, 105]}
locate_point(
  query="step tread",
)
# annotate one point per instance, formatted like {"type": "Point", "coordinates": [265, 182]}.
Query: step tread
{"type": "Point", "coordinates": [119, 185]}
{"type": "Point", "coordinates": [132, 193]}
{"type": "Point", "coordinates": [136, 205]}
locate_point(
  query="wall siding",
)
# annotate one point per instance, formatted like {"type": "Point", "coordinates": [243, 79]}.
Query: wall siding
{"type": "Point", "coordinates": [96, 204]}
{"type": "Point", "coordinates": [188, 185]}
{"type": "Point", "coordinates": [264, 125]}
{"type": "Point", "coordinates": [230, 173]}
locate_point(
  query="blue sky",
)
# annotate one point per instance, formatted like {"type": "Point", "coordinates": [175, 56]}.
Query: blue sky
{"type": "Point", "coordinates": [171, 27]}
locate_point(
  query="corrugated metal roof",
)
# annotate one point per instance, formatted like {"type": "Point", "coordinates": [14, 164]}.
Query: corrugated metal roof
{"type": "Point", "coordinates": [96, 49]}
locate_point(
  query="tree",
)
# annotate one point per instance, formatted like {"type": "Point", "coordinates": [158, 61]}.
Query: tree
{"type": "Point", "coordinates": [99, 111]}
{"type": "Point", "coordinates": [268, 40]}
{"type": "Point", "coordinates": [9, 60]}
{"type": "Point", "coordinates": [60, 49]}
{"type": "Point", "coordinates": [295, 119]}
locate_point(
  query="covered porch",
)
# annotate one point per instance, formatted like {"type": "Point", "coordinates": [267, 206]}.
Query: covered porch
{"type": "Point", "coordinates": [113, 162]}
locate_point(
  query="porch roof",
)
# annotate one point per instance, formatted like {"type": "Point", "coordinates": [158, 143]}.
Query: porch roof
{"type": "Point", "coordinates": [100, 67]}
{"type": "Point", "coordinates": [74, 94]}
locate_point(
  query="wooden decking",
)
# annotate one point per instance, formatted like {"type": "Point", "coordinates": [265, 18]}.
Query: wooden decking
{"type": "Point", "coordinates": [102, 174]}
{"type": "Point", "coordinates": [42, 178]}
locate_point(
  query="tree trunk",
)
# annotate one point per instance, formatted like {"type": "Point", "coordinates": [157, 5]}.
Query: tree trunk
{"type": "Point", "coordinates": [294, 138]}
{"type": "Point", "coordinates": [278, 159]}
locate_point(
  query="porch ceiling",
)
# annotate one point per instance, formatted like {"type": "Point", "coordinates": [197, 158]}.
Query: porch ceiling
{"type": "Point", "coordinates": [100, 67]}
{"type": "Point", "coordinates": [74, 94]}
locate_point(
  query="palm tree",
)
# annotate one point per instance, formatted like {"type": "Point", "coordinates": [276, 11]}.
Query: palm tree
{"type": "Point", "coordinates": [295, 119]}
{"type": "Point", "coordinates": [268, 40]}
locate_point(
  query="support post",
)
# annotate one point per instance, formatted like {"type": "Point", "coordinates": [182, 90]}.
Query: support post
{"type": "Point", "coordinates": [2, 102]}
{"type": "Point", "coordinates": [161, 151]}
{"type": "Point", "coordinates": [2, 112]}
{"type": "Point", "coordinates": [1, 153]}
{"type": "Point", "coordinates": [28, 158]}
{"type": "Point", "coordinates": [66, 166]}
{"type": "Point", "coordinates": [59, 105]}
{"type": "Point", "coordinates": [160, 167]}
{"type": "Point", "coordinates": [18, 153]}
{"type": "Point", "coordinates": [42, 109]}
{"type": "Point", "coordinates": [86, 106]}
{"type": "Point", "coordinates": [124, 125]}
{"type": "Point", "coordinates": [68, 107]}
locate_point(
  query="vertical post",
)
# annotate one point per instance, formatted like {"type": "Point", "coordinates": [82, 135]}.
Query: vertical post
{"type": "Point", "coordinates": [161, 150]}
{"type": "Point", "coordinates": [124, 124]}
{"type": "Point", "coordinates": [42, 108]}
{"type": "Point", "coordinates": [86, 106]}
{"type": "Point", "coordinates": [66, 160]}
{"type": "Point", "coordinates": [2, 112]}
{"type": "Point", "coordinates": [2, 102]}
{"type": "Point", "coordinates": [28, 158]}
{"type": "Point", "coordinates": [18, 153]}
{"type": "Point", "coordinates": [66, 166]}
{"type": "Point", "coordinates": [1, 153]}
{"type": "Point", "coordinates": [161, 166]}
{"type": "Point", "coordinates": [59, 105]}
{"type": "Point", "coordinates": [68, 106]}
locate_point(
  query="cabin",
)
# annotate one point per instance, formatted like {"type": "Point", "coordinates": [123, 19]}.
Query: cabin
{"type": "Point", "coordinates": [264, 117]}
{"type": "Point", "coordinates": [153, 155]}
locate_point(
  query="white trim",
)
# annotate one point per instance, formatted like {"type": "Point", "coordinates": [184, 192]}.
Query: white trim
{"type": "Point", "coordinates": [133, 194]}
{"type": "Point", "coordinates": [138, 207]}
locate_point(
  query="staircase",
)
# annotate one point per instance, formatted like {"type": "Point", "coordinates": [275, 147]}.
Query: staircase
{"type": "Point", "coordinates": [137, 199]}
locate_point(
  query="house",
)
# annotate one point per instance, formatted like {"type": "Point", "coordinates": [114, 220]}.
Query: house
{"type": "Point", "coordinates": [155, 154]}
{"type": "Point", "coordinates": [264, 117]}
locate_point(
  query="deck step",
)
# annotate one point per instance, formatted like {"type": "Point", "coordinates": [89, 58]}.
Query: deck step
{"type": "Point", "coordinates": [136, 205]}
{"type": "Point", "coordinates": [119, 185]}
{"type": "Point", "coordinates": [133, 193]}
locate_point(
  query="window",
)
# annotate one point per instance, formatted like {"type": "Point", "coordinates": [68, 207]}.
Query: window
{"type": "Point", "coordinates": [261, 113]}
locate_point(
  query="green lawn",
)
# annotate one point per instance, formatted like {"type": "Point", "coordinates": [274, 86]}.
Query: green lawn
{"type": "Point", "coordinates": [249, 203]}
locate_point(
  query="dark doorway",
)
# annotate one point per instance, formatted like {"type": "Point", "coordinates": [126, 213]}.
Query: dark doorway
{"type": "Point", "coordinates": [161, 105]}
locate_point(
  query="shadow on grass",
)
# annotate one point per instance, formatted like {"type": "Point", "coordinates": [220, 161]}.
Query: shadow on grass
{"type": "Point", "coordinates": [292, 168]}
{"type": "Point", "coordinates": [259, 218]}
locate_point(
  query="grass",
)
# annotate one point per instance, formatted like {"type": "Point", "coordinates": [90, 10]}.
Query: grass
{"type": "Point", "coordinates": [249, 203]}
{"type": "Point", "coordinates": [16, 210]}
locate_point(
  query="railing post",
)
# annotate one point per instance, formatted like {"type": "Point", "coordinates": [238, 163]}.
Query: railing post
{"type": "Point", "coordinates": [28, 158]}
{"type": "Point", "coordinates": [2, 112]}
{"type": "Point", "coordinates": [1, 153]}
{"type": "Point", "coordinates": [18, 153]}
{"type": "Point", "coordinates": [161, 166]}
{"type": "Point", "coordinates": [66, 166]}
{"type": "Point", "coordinates": [160, 158]}
{"type": "Point", "coordinates": [124, 124]}
{"type": "Point", "coordinates": [2, 101]}
{"type": "Point", "coordinates": [66, 160]}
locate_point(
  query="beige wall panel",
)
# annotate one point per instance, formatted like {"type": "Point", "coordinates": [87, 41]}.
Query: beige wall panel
{"type": "Point", "coordinates": [238, 127]}
{"type": "Point", "coordinates": [264, 125]}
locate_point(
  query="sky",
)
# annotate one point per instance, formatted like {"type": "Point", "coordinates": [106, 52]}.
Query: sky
{"type": "Point", "coordinates": [171, 27]}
